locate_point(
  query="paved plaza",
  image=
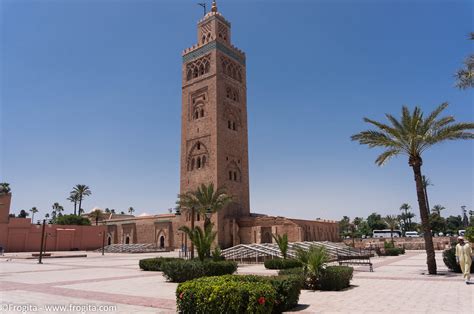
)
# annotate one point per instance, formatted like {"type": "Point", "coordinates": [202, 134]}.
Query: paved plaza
{"type": "Point", "coordinates": [115, 282]}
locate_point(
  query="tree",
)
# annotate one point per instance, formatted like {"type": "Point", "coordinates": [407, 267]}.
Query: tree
{"type": "Point", "coordinates": [344, 225]}
{"type": "Point", "coordinates": [376, 222]}
{"type": "Point", "coordinates": [33, 211]}
{"type": "Point", "coordinates": [437, 223]}
{"type": "Point", "coordinates": [454, 223]}
{"type": "Point", "coordinates": [131, 210]}
{"type": "Point", "coordinates": [96, 215]}
{"type": "Point", "coordinates": [411, 136]}
{"type": "Point", "coordinates": [107, 210]}
{"type": "Point", "coordinates": [357, 222]}
{"type": "Point", "coordinates": [313, 259]}
{"type": "Point", "coordinates": [23, 214]}
{"type": "Point", "coordinates": [4, 188]}
{"type": "Point", "coordinates": [392, 223]}
{"type": "Point", "coordinates": [82, 191]}
{"type": "Point", "coordinates": [437, 209]}
{"type": "Point", "coordinates": [202, 240]}
{"type": "Point", "coordinates": [74, 198]}
{"type": "Point", "coordinates": [404, 216]}
{"type": "Point", "coordinates": [46, 216]}
{"type": "Point", "coordinates": [205, 199]}
{"type": "Point", "coordinates": [57, 209]}
{"type": "Point", "coordinates": [465, 76]}
{"type": "Point", "coordinates": [282, 242]}
{"type": "Point", "coordinates": [426, 183]}
{"type": "Point", "coordinates": [73, 220]}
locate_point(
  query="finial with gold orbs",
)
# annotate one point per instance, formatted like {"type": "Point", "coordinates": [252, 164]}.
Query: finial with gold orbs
{"type": "Point", "coordinates": [214, 6]}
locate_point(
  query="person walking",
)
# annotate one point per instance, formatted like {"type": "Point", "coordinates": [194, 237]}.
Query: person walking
{"type": "Point", "coordinates": [464, 258]}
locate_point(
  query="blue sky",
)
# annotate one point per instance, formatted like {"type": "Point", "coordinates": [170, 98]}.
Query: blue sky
{"type": "Point", "coordinates": [91, 94]}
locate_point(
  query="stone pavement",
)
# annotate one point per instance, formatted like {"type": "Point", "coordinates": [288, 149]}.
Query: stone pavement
{"type": "Point", "coordinates": [115, 282]}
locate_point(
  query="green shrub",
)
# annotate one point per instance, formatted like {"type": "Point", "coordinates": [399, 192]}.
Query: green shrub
{"type": "Point", "coordinates": [297, 272]}
{"type": "Point", "coordinates": [449, 259]}
{"type": "Point", "coordinates": [225, 294]}
{"type": "Point", "coordinates": [285, 289]}
{"type": "Point", "coordinates": [72, 220]}
{"type": "Point", "coordinates": [183, 270]}
{"type": "Point", "coordinates": [335, 278]}
{"type": "Point", "coordinates": [469, 235]}
{"type": "Point", "coordinates": [388, 245]}
{"type": "Point", "coordinates": [154, 264]}
{"type": "Point", "coordinates": [282, 263]}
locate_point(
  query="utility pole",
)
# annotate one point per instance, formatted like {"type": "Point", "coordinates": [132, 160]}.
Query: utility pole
{"type": "Point", "coordinates": [40, 260]}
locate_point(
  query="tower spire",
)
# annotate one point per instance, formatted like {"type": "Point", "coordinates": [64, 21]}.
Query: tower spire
{"type": "Point", "coordinates": [214, 6]}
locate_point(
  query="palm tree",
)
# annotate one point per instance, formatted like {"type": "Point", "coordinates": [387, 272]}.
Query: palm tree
{"type": "Point", "coordinates": [411, 136]}
{"type": "Point", "coordinates": [81, 190]}
{"type": "Point", "coordinates": [465, 76]}
{"type": "Point", "coordinates": [96, 215]}
{"type": "Point", "coordinates": [57, 209]}
{"type": "Point", "coordinates": [205, 200]}
{"type": "Point", "coordinates": [74, 198]}
{"type": "Point", "coordinates": [202, 240]}
{"type": "Point", "coordinates": [313, 259]}
{"type": "Point", "coordinates": [282, 242]}
{"type": "Point", "coordinates": [131, 210]}
{"type": "Point", "coordinates": [392, 223]}
{"type": "Point", "coordinates": [46, 216]}
{"type": "Point", "coordinates": [33, 211]}
{"type": "Point", "coordinates": [437, 209]}
{"type": "Point", "coordinates": [426, 183]}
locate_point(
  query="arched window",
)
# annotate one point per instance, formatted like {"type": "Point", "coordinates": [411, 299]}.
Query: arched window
{"type": "Point", "coordinates": [203, 39]}
{"type": "Point", "coordinates": [203, 161]}
{"type": "Point", "coordinates": [198, 163]}
{"type": "Point", "coordinates": [192, 164]}
{"type": "Point", "coordinates": [202, 113]}
{"type": "Point", "coordinates": [233, 126]}
{"type": "Point", "coordinates": [196, 115]}
{"type": "Point", "coordinates": [189, 75]}
{"type": "Point", "coordinates": [230, 175]}
{"type": "Point", "coordinates": [229, 124]}
{"type": "Point", "coordinates": [235, 176]}
{"type": "Point", "coordinates": [198, 146]}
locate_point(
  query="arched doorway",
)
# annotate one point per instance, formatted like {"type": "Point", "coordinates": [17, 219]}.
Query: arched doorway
{"type": "Point", "coordinates": [266, 237]}
{"type": "Point", "coordinates": [162, 242]}
{"type": "Point", "coordinates": [109, 240]}
{"type": "Point", "coordinates": [127, 240]}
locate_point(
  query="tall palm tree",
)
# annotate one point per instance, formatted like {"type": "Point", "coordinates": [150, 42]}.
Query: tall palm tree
{"type": "Point", "coordinates": [412, 135]}
{"type": "Point", "coordinates": [465, 76]}
{"type": "Point", "coordinates": [74, 198]}
{"type": "Point", "coordinates": [96, 215]}
{"type": "Point", "coordinates": [81, 190]}
{"type": "Point", "coordinates": [131, 210]}
{"type": "Point", "coordinates": [437, 209]}
{"type": "Point", "coordinates": [426, 183]}
{"type": "Point", "coordinates": [392, 223]}
{"type": "Point", "coordinates": [205, 199]}
{"type": "Point", "coordinates": [33, 211]}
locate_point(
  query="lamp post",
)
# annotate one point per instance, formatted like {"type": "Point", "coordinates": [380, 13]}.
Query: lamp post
{"type": "Point", "coordinates": [103, 241]}
{"type": "Point", "coordinates": [40, 259]}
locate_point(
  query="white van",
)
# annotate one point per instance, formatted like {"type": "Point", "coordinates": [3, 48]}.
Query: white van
{"type": "Point", "coordinates": [412, 234]}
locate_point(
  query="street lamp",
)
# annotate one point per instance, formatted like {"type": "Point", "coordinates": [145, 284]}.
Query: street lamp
{"type": "Point", "coordinates": [103, 241]}
{"type": "Point", "coordinates": [40, 259]}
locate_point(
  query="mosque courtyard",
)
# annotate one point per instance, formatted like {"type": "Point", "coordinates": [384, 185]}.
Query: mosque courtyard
{"type": "Point", "coordinates": [114, 283]}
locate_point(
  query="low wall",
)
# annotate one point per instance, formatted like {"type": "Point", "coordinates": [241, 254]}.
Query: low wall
{"type": "Point", "coordinates": [440, 243]}
{"type": "Point", "coordinates": [19, 235]}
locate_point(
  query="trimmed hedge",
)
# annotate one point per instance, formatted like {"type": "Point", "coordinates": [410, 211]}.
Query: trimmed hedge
{"type": "Point", "coordinates": [236, 294]}
{"type": "Point", "coordinates": [184, 270]}
{"type": "Point", "coordinates": [223, 294]}
{"type": "Point", "coordinates": [280, 263]}
{"type": "Point", "coordinates": [154, 264]}
{"type": "Point", "coordinates": [335, 278]}
{"type": "Point", "coordinates": [449, 259]}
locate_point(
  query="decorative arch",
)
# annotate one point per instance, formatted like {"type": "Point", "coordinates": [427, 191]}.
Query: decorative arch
{"type": "Point", "coordinates": [198, 67]}
{"type": "Point", "coordinates": [198, 156]}
{"type": "Point", "coordinates": [231, 69]}
{"type": "Point", "coordinates": [233, 172]}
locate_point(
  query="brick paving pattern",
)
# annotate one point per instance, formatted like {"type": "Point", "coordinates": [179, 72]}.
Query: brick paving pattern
{"type": "Point", "coordinates": [397, 285]}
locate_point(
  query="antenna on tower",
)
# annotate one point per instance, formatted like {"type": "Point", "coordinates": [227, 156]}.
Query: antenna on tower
{"type": "Point", "coordinates": [203, 5]}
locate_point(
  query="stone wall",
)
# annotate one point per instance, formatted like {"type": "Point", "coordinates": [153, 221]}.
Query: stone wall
{"type": "Point", "coordinates": [440, 243]}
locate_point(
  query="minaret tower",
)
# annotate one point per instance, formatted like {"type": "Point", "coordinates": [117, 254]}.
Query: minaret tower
{"type": "Point", "coordinates": [214, 143]}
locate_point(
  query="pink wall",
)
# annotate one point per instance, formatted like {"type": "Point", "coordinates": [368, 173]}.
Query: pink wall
{"type": "Point", "coordinates": [22, 236]}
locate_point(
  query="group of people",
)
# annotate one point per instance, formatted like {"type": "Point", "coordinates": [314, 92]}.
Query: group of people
{"type": "Point", "coordinates": [464, 258]}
